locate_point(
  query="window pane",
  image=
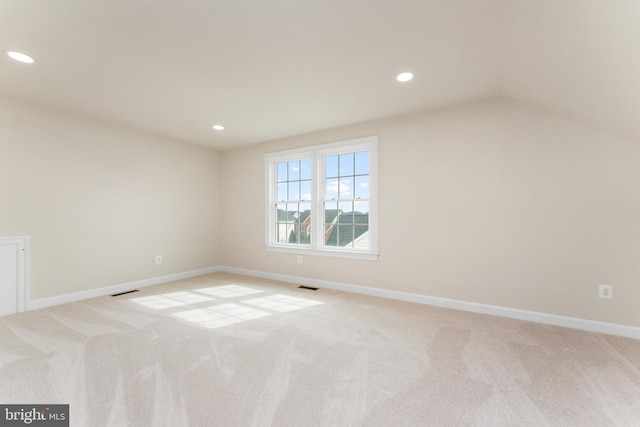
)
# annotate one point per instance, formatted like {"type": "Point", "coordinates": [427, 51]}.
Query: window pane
{"type": "Point", "coordinates": [281, 223]}
{"type": "Point", "coordinates": [345, 235]}
{"type": "Point", "coordinates": [292, 215]}
{"type": "Point", "coordinates": [294, 170]}
{"type": "Point", "coordinates": [307, 233]}
{"type": "Point", "coordinates": [330, 222]}
{"type": "Point", "coordinates": [294, 190]}
{"type": "Point", "coordinates": [281, 232]}
{"type": "Point", "coordinates": [361, 218]}
{"type": "Point", "coordinates": [281, 212]}
{"type": "Point", "coordinates": [361, 207]}
{"type": "Point", "coordinates": [361, 188]}
{"type": "Point", "coordinates": [282, 171]}
{"type": "Point", "coordinates": [346, 164]}
{"type": "Point", "coordinates": [305, 169]}
{"type": "Point", "coordinates": [293, 236]}
{"type": "Point", "coordinates": [282, 191]}
{"type": "Point", "coordinates": [305, 211]}
{"type": "Point", "coordinates": [305, 190]}
{"type": "Point", "coordinates": [346, 188]}
{"type": "Point", "coordinates": [330, 211]}
{"type": "Point", "coordinates": [304, 221]}
{"type": "Point", "coordinates": [361, 236]}
{"type": "Point", "coordinates": [298, 233]}
{"type": "Point", "coordinates": [331, 189]}
{"type": "Point", "coordinates": [346, 208]}
{"type": "Point", "coordinates": [331, 166]}
{"type": "Point", "coordinates": [292, 211]}
{"type": "Point", "coordinates": [361, 225]}
{"type": "Point", "coordinates": [362, 163]}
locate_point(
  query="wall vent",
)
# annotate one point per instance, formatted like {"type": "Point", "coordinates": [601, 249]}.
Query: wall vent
{"type": "Point", "coordinates": [124, 293]}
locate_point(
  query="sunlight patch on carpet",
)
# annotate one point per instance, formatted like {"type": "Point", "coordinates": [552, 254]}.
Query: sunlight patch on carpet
{"type": "Point", "coordinates": [169, 300]}
{"type": "Point", "coordinates": [221, 315]}
{"type": "Point", "coordinates": [229, 291]}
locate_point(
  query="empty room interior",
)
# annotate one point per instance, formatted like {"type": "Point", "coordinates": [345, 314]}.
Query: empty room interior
{"type": "Point", "coordinates": [321, 213]}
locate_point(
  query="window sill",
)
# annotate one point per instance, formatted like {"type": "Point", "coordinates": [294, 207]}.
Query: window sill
{"type": "Point", "coordinates": [324, 252]}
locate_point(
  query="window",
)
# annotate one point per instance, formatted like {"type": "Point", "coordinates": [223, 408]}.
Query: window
{"type": "Point", "coordinates": [322, 199]}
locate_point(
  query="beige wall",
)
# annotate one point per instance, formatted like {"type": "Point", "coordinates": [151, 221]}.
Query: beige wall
{"type": "Point", "coordinates": [493, 203]}
{"type": "Point", "coordinates": [99, 200]}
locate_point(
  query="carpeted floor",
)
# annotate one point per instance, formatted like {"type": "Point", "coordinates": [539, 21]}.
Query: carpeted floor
{"type": "Point", "coordinates": [224, 350]}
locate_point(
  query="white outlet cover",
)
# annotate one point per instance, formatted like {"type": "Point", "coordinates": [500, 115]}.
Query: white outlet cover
{"type": "Point", "coordinates": [605, 291]}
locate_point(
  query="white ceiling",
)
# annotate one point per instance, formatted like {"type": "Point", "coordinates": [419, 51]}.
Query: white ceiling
{"type": "Point", "coordinates": [274, 68]}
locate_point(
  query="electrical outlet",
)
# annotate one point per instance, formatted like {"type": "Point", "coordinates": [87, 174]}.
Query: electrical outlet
{"type": "Point", "coordinates": [158, 259]}
{"type": "Point", "coordinates": [299, 259]}
{"type": "Point", "coordinates": [605, 291]}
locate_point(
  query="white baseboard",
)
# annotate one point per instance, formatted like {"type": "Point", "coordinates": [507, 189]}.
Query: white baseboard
{"type": "Point", "coordinates": [513, 313]}
{"type": "Point", "coordinates": [115, 289]}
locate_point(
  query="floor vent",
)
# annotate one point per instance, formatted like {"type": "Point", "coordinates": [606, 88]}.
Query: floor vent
{"type": "Point", "coordinates": [124, 293]}
{"type": "Point", "coordinates": [307, 287]}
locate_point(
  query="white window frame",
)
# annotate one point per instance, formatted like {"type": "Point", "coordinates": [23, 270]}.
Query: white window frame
{"type": "Point", "coordinates": [317, 153]}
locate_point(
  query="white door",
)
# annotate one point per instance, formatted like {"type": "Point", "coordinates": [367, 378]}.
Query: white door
{"type": "Point", "coordinates": [12, 274]}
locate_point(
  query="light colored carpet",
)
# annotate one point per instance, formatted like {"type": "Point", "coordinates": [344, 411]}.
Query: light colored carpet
{"type": "Point", "coordinates": [224, 350]}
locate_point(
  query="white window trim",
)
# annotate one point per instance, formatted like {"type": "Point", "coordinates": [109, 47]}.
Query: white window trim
{"type": "Point", "coordinates": [317, 154]}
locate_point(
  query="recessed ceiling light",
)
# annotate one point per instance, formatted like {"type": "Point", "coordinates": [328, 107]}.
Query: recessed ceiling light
{"type": "Point", "coordinates": [218, 127]}
{"type": "Point", "coordinates": [19, 56]}
{"type": "Point", "coordinates": [404, 77]}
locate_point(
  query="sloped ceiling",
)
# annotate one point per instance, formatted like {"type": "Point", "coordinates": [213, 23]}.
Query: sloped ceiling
{"type": "Point", "coordinates": [579, 58]}
{"type": "Point", "coordinates": [274, 68]}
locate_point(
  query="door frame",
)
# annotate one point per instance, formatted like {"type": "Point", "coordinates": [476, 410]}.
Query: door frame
{"type": "Point", "coordinates": [22, 243]}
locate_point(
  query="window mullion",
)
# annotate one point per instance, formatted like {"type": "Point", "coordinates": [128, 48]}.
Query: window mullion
{"type": "Point", "coordinates": [318, 222]}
